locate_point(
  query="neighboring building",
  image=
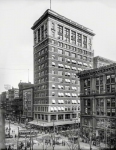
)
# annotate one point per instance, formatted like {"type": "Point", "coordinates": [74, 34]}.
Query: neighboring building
{"type": "Point", "coordinates": [99, 61]}
{"type": "Point", "coordinates": [61, 48]}
{"type": "Point", "coordinates": [98, 102]}
{"type": "Point", "coordinates": [3, 99]}
{"type": "Point", "coordinates": [28, 104]}
{"type": "Point", "coordinates": [12, 109]}
{"type": "Point", "coordinates": [2, 129]}
{"type": "Point", "coordinates": [23, 86]}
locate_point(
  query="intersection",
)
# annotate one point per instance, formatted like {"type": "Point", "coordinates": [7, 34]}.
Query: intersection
{"type": "Point", "coordinates": [38, 143]}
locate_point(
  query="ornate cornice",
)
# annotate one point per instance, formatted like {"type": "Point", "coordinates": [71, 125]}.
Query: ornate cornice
{"type": "Point", "coordinates": [57, 16]}
{"type": "Point", "coordinates": [100, 70]}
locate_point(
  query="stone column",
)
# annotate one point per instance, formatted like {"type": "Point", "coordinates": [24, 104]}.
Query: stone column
{"type": "Point", "coordinates": [48, 118]}
{"type": "Point", "coordinates": [56, 117]}
{"type": "Point", "coordinates": [63, 117]}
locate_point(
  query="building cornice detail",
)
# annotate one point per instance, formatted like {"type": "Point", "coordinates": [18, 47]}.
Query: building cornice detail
{"type": "Point", "coordinates": [53, 14]}
{"type": "Point", "coordinates": [92, 72]}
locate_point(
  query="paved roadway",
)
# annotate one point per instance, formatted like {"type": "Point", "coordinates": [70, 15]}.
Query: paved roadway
{"type": "Point", "coordinates": [38, 143]}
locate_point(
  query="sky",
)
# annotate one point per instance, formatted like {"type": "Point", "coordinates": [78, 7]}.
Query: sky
{"type": "Point", "coordinates": [16, 36]}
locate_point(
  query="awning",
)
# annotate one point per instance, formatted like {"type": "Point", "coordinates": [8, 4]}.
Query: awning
{"type": "Point", "coordinates": [59, 108]}
{"type": "Point", "coordinates": [51, 109]}
{"type": "Point", "coordinates": [59, 101]}
{"type": "Point", "coordinates": [53, 101]}
{"type": "Point", "coordinates": [53, 63]}
{"type": "Point", "coordinates": [55, 108]}
{"type": "Point", "coordinates": [68, 60]}
{"type": "Point", "coordinates": [60, 94]}
{"type": "Point", "coordinates": [53, 86]}
{"type": "Point", "coordinates": [79, 63]}
{"type": "Point", "coordinates": [62, 108]}
{"type": "Point", "coordinates": [60, 65]}
{"type": "Point", "coordinates": [62, 101]}
{"type": "Point", "coordinates": [74, 61]}
{"type": "Point", "coordinates": [74, 68]}
{"type": "Point", "coordinates": [50, 124]}
{"type": "Point", "coordinates": [85, 64]}
{"type": "Point", "coordinates": [80, 69]}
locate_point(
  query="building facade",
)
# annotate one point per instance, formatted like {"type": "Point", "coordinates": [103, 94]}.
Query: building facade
{"type": "Point", "coordinates": [23, 86]}
{"type": "Point", "coordinates": [98, 102]}
{"type": "Point", "coordinates": [99, 61]}
{"type": "Point", "coordinates": [28, 104]}
{"type": "Point", "coordinates": [61, 48]}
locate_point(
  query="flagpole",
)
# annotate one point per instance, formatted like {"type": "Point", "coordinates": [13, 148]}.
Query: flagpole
{"type": "Point", "coordinates": [50, 4]}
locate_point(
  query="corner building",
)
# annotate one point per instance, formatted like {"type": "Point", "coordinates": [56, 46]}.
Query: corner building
{"type": "Point", "coordinates": [98, 102]}
{"type": "Point", "coordinates": [61, 49]}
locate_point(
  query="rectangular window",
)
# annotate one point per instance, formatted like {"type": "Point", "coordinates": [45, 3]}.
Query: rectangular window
{"type": "Point", "coordinates": [67, 53]}
{"type": "Point", "coordinates": [42, 32]}
{"type": "Point", "coordinates": [53, 49]}
{"type": "Point", "coordinates": [87, 86]}
{"type": "Point", "coordinates": [108, 79]}
{"type": "Point", "coordinates": [38, 35]}
{"type": "Point", "coordinates": [79, 39]}
{"type": "Point", "coordinates": [60, 58]}
{"type": "Point", "coordinates": [112, 78]}
{"type": "Point", "coordinates": [79, 56]}
{"type": "Point", "coordinates": [60, 73]}
{"type": "Point", "coordinates": [84, 41]}
{"type": "Point", "coordinates": [73, 37]}
{"type": "Point", "coordinates": [73, 55]}
{"type": "Point", "coordinates": [67, 35]}
{"type": "Point", "coordinates": [84, 58]}
{"type": "Point", "coordinates": [60, 51]}
{"type": "Point", "coordinates": [60, 80]}
{"type": "Point", "coordinates": [60, 32]}
{"type": "Point", "coordinates": [67, 87]}
{"type": "Point", "coordinates": [110, 83]}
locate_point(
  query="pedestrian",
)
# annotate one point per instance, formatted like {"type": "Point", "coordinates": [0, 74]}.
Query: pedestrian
{"type": "Point", "coordinates": [15, 135]}
{"type": "Point", "coordinates": [62, 143]}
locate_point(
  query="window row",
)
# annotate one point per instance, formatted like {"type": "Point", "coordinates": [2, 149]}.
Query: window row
{"type": "Point", "coordinates": [65, 101]}
{"type": "Point", "coordinates": [61, 80]}
{"type": "Point", "coordinates": [42, 80]}
{"type": "Point", "coordinates": [41, 108]}
{"type": "Point", "coordinates": [70, 36]}
{"type": "Point", "coordinates": [41, 94]}
{"type": "Point", "coordinates": [66, 94]}
{"type": "Point", "coordinates": [41, 87]}
{"type": "Point", "coordinates": [64, 87]}
{"type": "Point", "coordinates": [77, 50]}
{"type": "Point", "coordinates": [73, 61]}
{"type": "Point", "coordinates": [53, 109]}
{"type": "Point", "coordinates": [40, 53]}
{"type": "Point", "coordinates": [40, 33]}
{"type": "Point", "coordinates": [53, 117]}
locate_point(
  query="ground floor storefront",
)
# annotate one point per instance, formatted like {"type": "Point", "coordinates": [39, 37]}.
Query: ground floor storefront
{"type": "Point", "coordinates": [57, 126]}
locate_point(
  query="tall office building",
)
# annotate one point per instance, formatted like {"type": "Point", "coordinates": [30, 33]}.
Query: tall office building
{"type": "Point", "coordinates": [61, 48]}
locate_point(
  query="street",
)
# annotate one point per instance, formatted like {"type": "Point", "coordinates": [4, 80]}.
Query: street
{"type": "Point", "coordinates": [38, 140]}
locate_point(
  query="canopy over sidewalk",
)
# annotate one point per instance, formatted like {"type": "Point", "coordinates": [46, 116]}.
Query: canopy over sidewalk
{"type": "Point", "coordinates": [50, 124]}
